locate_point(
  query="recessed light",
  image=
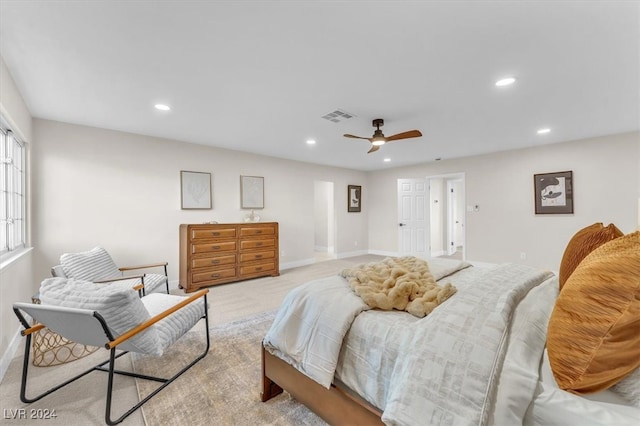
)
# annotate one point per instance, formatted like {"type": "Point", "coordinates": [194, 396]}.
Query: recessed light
{"type": "Point", "coordinates": [543, 131]}
{"type": "Point", "coordinates": [311, 142]}
{"type": "Point", "coordinates": [505, 81]}
{"type": "Point", "coordinates": [386, 160]}
{"type": "Point", "coordinates": [162, 107]}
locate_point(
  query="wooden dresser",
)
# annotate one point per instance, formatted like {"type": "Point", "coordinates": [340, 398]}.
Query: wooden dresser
{"type": "Point", "coordinates": [213, 254]}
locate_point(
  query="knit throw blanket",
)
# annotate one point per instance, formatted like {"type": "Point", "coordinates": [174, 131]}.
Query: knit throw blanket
{"type": "Point", "coordinates": [403, 283]}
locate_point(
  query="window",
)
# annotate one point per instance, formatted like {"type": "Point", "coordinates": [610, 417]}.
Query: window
{"type": "Point", "coordinates": [12, 199]}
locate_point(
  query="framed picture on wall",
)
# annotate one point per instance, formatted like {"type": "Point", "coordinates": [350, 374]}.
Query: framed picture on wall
{"type": "Point", "coordinates": [195, 190]}
{"type": "Point", "coordinates": [252, 192]}
{"type": "Point", "coordinates": [354, 194]}
{"type": "Point", "coordinates": [553, 192]}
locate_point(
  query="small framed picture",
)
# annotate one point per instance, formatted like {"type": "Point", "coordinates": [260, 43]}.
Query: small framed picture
{"type": "Point", "coordinates": [553, 193]}
{"type": "Point", "coordinates": [354, 194]}
{"type": "Point", "coordinates": [195, 190]}
{"type": "Point", "coordinates": [251, 192]}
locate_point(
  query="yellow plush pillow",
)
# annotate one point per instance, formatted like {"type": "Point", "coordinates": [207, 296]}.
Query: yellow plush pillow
{"type": "Point", "coordinates": [582, 243]}
{"type": "Point", "coordinates": [594, 330]}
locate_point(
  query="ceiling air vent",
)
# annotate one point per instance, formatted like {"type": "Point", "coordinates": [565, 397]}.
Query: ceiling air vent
{"type": "Point", "coordinates": [337, 116]}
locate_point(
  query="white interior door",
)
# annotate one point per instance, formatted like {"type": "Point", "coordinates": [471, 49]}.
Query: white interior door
{"type": "Point", "coordinates": [413, 217]}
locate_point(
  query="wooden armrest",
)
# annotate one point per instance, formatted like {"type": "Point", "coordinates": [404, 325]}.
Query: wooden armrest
{"type": "Point", "coordinates": [33, 329]}
{"type": "Point", "coordinates": [129, 334]}
{"type": "Point", "coordinates": [129, 277]}
{"type": "Point", "coordinates": [152, 265]}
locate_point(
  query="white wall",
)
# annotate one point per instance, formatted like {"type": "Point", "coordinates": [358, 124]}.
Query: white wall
{"type": "Point", "coordinates": [606, 188]}
{"type": "Point", "coordinates": [16, 277]}
{"type": "Point", "coordinates": [122, 191]}
{"type": "Point", "coordinates": [323, 216]}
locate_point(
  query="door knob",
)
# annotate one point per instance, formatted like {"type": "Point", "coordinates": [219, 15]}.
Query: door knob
{"type": "Point", "coordinates": [402, 224]}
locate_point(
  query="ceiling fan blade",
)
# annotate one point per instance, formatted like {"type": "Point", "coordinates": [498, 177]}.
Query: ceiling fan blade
{"type": "Point", "coordinates": [346, 135]}
{"type": "Point", "coordinates": [405, 135]}
{"type": "Point", "coordinates": [374, 148]}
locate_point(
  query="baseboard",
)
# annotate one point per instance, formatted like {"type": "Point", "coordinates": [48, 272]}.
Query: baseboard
{"type": "Point", "coordinates": [174, 285]}
{"type": "Point", "coordinates": [8, 355]}
{"type": "Point", "coordinates": [384, 253]}
{"type": "Point", "coordinates": [297, 263]}
{"type": "Point", "coordinates": [351, 254]}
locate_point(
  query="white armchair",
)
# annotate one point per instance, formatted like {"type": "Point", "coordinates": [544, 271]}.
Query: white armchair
{"type": "Point", "coordinates": [96, 265]}
{"type": "Point", "coordinates": [113, 317]}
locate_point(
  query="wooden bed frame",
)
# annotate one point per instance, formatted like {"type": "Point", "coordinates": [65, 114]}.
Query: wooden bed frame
{"type": "Point", "coordinates": [335, 405]}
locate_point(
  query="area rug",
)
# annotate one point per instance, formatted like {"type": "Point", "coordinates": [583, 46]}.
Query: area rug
{"type": "Point", "coordinates": [221, 389]}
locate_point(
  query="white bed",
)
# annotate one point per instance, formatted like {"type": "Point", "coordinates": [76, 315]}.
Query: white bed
{"type": "Point", "coordinates": [476, 359]}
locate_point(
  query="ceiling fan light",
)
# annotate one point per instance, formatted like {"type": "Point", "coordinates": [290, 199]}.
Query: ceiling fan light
{"type": "Point", "coordinates": [377, 141]}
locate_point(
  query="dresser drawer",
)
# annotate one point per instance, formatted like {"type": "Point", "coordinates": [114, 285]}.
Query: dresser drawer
{"type": "Point", "coordinates": [257, 243]}
{"type": "Point", "coordinates": [259, 268]}
{"type": "Point", "coordinates": [213, 247]}
{"type": "Point", "coordinates": [213, 275]}
{"type": "Point", "coordinates": [209, 233]}
{"type": "Point", "coordinates": [257, 255]}
{"type": "Point", "coordinates": [251, 231]}
{"type": "Point", "coordinates": [208, 262]}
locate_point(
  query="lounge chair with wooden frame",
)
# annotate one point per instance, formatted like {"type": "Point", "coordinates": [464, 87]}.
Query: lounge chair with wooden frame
{"type": "Point", "coordinates": [113, 317]}
{"type": "Point", "coordinates": [96, 265]}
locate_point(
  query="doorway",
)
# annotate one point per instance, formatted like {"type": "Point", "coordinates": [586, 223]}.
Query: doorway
{"type": "Point", "coordinates": [324, 221]}
{"type": "Point", "coordinates": [431, 213]}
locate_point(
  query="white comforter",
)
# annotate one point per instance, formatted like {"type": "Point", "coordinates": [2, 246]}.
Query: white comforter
{"type": "Point", "coordinates": [313, 319]}
{"type": "Point", "coordinates": [442, 369]}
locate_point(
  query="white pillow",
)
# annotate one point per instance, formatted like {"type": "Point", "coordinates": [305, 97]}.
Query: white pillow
{"type": "Point", "coordinates": [92, 265]}
{"type": "Point", "coordinates": [117, 302]}
{"type": "Point", "coordinates": [629, 388]}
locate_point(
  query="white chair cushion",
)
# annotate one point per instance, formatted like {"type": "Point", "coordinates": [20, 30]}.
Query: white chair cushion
{"type": "Point", "coordinates": [172, 327]}
{"type": "Point", "coordinates": [117, 303]}
{"type": "Point", "coordinates": [92, 265]}
{"type": "Point", "coordinates": [152, 282]}
{"type": "Point", "coordinates": [57, 271]}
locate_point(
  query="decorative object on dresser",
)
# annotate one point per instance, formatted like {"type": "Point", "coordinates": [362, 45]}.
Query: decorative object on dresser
{"type": "Point", "coordinates": [195, 190]}
{"type": "Point", "coordinates": [227, 252]}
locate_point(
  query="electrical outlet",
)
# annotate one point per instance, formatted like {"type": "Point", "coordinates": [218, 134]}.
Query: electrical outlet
{"type": "Point", "coordinates": [282, 253]}
{"type": "Point", "coordinates": [355, 243]}
{"type": "Point", "coordinates": [523, 256]}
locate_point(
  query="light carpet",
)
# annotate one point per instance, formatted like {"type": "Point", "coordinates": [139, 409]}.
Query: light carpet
{"type": "Point", "coordinates": [224, 387]}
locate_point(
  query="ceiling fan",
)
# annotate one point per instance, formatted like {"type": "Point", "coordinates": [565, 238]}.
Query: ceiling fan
{"type": "Point", "coordinates": [378, 139]}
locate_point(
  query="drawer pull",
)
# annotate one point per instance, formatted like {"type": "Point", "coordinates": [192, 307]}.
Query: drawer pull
{"type": "Point", "coordinates": [259, 268]}
{"type": "Point", "coordinates": [259, 231]}
{"type": "Point", "coordinates": [215, 275]}
{"type": "Point", "coordinates": [215, 262]}
{"type": "Point", "coordinates": [215, 247]}
{"type": "Point", "coordinates": [215, 234]}
{"type": "Point", "coordinates": [258, 244]}
{"type": "Point", "coordinates": [258, 256]}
